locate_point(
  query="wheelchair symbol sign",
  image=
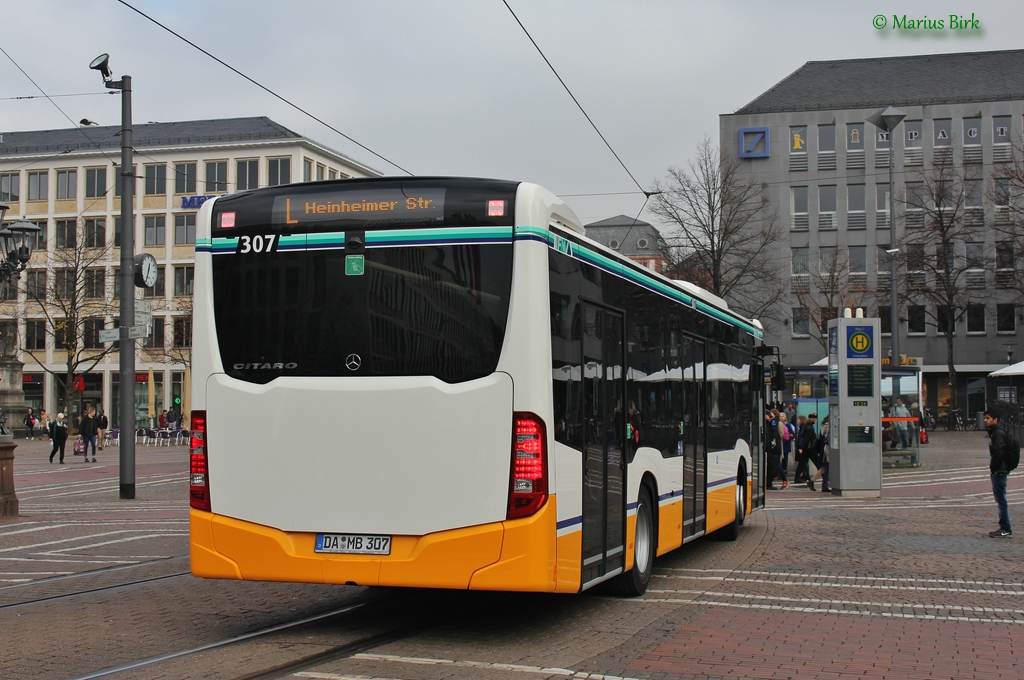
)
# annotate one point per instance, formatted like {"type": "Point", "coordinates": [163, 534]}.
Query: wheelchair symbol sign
{"type": "Point", "coordinates": [859, 344]}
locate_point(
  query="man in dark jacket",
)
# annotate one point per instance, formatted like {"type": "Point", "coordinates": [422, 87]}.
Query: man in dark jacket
{"type": "Point", "coordinates": [998, 452]}
{"type": "Point", "coordinates": [806, 439]}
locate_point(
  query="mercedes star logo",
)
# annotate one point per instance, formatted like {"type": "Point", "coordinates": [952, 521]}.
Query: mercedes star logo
{"type": "Point", "coordinates": [353, 362]}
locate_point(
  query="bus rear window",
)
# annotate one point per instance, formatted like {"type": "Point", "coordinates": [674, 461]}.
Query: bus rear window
{"type": "Point", "coordinates": [435, 310]}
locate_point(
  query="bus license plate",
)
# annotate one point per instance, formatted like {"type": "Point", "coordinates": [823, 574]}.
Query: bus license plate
{"type": "Point", "coordinates": [358, 544]}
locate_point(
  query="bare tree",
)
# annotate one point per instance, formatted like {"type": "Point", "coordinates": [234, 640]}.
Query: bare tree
{"type": "Point", "coordinates": [722, 230]}
{"type": "Point", "coordinates": [178, 348]}
{"type": "Point", "coordinates": [940, 212]}
{"type": "Point", "coordinates": [1007, 194]}
{"type": "Point", "coordinates": [825, 288]}
{"type": "Point", "coordinates": [70, 297]}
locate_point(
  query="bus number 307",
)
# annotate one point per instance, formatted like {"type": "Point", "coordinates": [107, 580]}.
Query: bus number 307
{"type": "Point", "coordinates": [257, 244]}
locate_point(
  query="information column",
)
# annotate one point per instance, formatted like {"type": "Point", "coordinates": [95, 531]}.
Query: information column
{"type": "Point", "coordinates": [855, 409]}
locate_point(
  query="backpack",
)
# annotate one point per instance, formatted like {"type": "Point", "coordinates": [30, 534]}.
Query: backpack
{"type": "Point", "coordinates": [786, 434]}
{"type": "Point", "coordinates": [1012, 452]}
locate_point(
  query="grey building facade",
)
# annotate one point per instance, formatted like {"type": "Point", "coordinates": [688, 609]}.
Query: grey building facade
{"type": "Point", "coordinates": [810, 141]}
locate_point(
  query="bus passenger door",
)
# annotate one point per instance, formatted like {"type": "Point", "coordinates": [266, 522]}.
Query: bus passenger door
{"type": "Point", "coordinates": [694, 489]}
{"type": "Point", "coordinates": [604, 510]}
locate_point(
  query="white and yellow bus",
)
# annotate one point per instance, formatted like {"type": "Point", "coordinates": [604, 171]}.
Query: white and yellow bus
{"type": "Point", "coordinates": [442, 382]}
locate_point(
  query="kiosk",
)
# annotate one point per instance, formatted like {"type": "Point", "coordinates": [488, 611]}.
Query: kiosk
{"type": "Point", "coordinates": [854, 407]}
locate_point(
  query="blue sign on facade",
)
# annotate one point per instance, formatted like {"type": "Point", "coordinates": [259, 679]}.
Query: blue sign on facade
{"type": "Point", "coordinates": [860, 342]}
{"type": "Point", "coordinates": [755, 142]}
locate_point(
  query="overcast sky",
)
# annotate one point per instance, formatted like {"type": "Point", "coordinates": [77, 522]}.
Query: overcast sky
{"type": "Point", "coordinates": [454, 87]}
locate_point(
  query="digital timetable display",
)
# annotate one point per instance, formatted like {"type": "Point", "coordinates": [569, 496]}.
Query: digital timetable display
{"type": "Point", "coordinates": [310, 209]}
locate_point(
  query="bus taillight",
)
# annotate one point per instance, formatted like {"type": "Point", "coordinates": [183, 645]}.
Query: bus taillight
{"type": "Point", "coordinates": [529, 490]}
{"type": "Point", "coordinates": [199, 480]}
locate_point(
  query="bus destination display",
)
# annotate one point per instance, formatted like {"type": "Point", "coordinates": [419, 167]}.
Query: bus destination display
{"type": "Point", "coordinates": [366, 205]}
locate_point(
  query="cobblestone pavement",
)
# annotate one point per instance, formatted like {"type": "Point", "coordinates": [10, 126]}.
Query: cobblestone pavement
{"type": "Point", "coordinates": [908, 586]}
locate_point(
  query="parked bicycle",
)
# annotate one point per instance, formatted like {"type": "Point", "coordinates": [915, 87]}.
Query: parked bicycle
{"type": "Point", "coordinates": [929, 419]}
{"type": "Point", "coordinates": [955, 421]}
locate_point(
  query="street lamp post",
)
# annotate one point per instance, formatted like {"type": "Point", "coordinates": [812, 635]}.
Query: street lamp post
{"type": "Point", "coordinates": [888, 120]}
{"type": "Point", "coordinates": [126, 349]}
{"type": "Point", "coordinates": [15, 251]}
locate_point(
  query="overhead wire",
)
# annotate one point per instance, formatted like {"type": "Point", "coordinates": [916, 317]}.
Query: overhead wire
{"type": "Point", "coordinates": [264, 87]}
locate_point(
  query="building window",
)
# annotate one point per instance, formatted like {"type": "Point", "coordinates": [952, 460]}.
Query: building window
{"type": "Point", "coordinates": [972, 131]}
{"type": "Point", "coordinates": [185, 178]}
{"type": "Point", "coordinates": [827, 262]}
{"type": "Point", "coordinates": [248, 175]}
{"type": "Point", "coordinates": [184, 229]}
{"type": "Point", "coordinates": [183, 277]}
{"type": "Point", "coordinates": [158, 288]}
{"type": "Point", "coordinates": [800, 282]}
{"type": "Point", "coordinates": [38, 239]}
{"type": "Point", "coordinates": [798, 208]}
{"type": "Point", "coordinates": [945, 257]}
{"type": "Point", "coordinates": [119, 179]}
{"type": "Point", "coordinates": [91, 336]}
{"type": "Point", "coordinates": [798, 139]}
{"type": "Point", "coordinates": [826, 147]}
{"type": "Point", "coordinates": [945, 321]}
{"type": "Point", "coordinates": [117, 232]}
{"type": "Point", "coordinates": [216, 176]}
{"type": "Point", "coordinates": [9, 290]}
{"type": "Point", "coordinates": [332, 173]}
{"type": "Point", "coordinates": [827, 207]}
{"type": "Point", "coordinates": [1002, 151]}
{"type": "Point", "coordinates": [882, 206]}
{"type": "Point", "coordinates": [856, 217]}
{"type": "Point", "coordinates": [67, 185]}
{"type": "Point", "coordinates": [95, 283]}
{"type": "Point", "coordinates": [279, 171]}
{"type": "Point", "coordinates": [35, 334]}
{"type": "Point", "coordinates": [916, 203]}
{"type": "Point", "coordinates": [1005, 268]}
{"type": "Point", "coordinates": [885, 320]}
{"type": "Point", "coordinates": [801, 321]}
{"type": "Point", "coordinates": [35, 284]}
{"type": "Point", "coordinates": [307, 170]}
{"type": "Point", "coordinates": [915, 319]}
{"type": "Point", "coordinates": [66, 233]}
{"type": "Point", "coordinates": [915, 265]}
{"type": "Point", "coordinates": [855, 137]}
{"type": "Point", "coordinates": [95, 233]}
{"type": "Point", "coordinates": [155, 340]}
{"type": "Point", "coordinates": [1006, 318]}
{"type": "Point", "coordinates": [975, 271]}
{"type": "Point", "coordinates": [64, 284]}
{"type": "Point", "coordinates": [912, 133]}
{"type": "Point", "coordinates": [38, 186]}
{"type": "Point", "coordinates": [183, 332]}
{"type": "Point", "coordinates": [975, 318]}
{"type": "Point", "coordinates": [154, 230]}
{"type": "Point", "coordinates": [95, 182]}
{"type": "Point", "coordinates": [943, 131]}
{"type": "Point", "coordinates": [156, 180]}
{"type": "Point", "coordinates": [10, 187]}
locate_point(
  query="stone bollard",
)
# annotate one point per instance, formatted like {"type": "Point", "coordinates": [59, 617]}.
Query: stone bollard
{"type": "Point", "coordinates": [8, 499]}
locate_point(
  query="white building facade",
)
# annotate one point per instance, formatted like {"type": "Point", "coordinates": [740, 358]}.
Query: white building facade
{"type": "Point", "coordinates": [67, 183]}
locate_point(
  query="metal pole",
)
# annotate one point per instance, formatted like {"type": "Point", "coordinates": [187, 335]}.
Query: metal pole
{"type": "Point", "coordinates": [893, 309]}
{"type": "Point", "coordinates": [894, 318]}
{"type": "Point", "coordinates": [126, 353]}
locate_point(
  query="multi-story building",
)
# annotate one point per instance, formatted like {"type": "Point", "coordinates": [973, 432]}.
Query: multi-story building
{"type": "Point", "coordinates": [638, 240]}
{"type": "Point", "coordinates": [811, 141]}
{"type": "Point", "coordinates": [67, 182]}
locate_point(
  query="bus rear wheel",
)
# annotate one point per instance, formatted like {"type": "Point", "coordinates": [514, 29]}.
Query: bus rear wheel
{"type": "Point", "coordinates": [731, 531]}
{"type": "Point", "coordinates": [634, 582]}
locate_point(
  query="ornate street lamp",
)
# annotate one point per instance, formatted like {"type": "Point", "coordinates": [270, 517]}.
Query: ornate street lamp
{"type": "Point", "coordinates": [15, 251]}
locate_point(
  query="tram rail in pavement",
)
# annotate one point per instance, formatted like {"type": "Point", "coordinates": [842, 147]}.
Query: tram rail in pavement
{"type": "Point", "coordinates": [817, 586]}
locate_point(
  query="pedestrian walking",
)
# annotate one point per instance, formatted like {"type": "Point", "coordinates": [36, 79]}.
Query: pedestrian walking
{"type": "Point", "coordinates": [58, 437]}
{"type": "Point", "coordinates": [900, 411]}
{"type": "Point", "coordinates": [787, 431]}
{"type": "Point", "coordinates": [87, 429]}
{"type": "Point", "coordinates": [101, 428]}
{"type": "Point", "coordinates": [806, 439]}
{"type": "Point", "coordinates": [821, 459]}
{"type": "Point", "coordinates": [998, 454]}
{"type": "Point", "coordinates": [30, 424]}
{"type": "Point", "coordinates": [773, 442]}
{"type": "Point", "coordinates": [44, 424]}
